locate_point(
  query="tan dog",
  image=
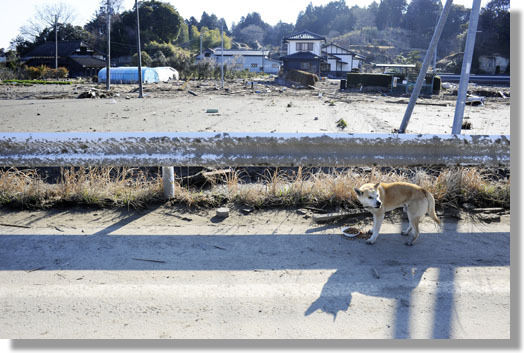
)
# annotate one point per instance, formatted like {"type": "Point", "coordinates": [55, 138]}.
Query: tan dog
{"type": "Point", "coordinates": [383, 197]}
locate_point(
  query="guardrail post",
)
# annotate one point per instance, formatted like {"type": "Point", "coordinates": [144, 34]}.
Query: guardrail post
{"type": "Point", "coordinates": [168, 180]}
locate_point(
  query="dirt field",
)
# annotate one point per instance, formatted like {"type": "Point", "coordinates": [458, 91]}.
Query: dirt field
{"type": "Point", "coordinates": [265, 107]}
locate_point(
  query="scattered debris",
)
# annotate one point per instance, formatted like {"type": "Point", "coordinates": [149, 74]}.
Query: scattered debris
{"type": "Point", "coordinates": [219, 247]}
{"type": "Point", "coordinates": [375, 273]}
{"type": "Point", "coordinates": [222, 212]}
{"type": "Point", "coordinates": [13, 225]}
{"type": "Point", "coordinates": [35, 269]}
{"type": "Point", "coordinates": [466, 125]}
{"type": "Point", "coordinates": [212, 111]}
{"type": "Point", "coordinates": [474, 100]}
{"type": "Point", "coordinates": [328, 217]}
{"type": "Point", "coordinates": [341, 124]}
{"type": "Point", "coordinates": [307, 79]}
{"type": "Point", "coordinates": [489, 210]}
{"type": "Point", "coordinates": [193, 93]}
{"type": "Point", "coordinates": [489, 218]}
{"type": "Point", "coordinates": [246, 210]}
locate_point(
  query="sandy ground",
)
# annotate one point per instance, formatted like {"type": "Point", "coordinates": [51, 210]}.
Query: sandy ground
{"type": "Point", "coordinates": [264, 108]}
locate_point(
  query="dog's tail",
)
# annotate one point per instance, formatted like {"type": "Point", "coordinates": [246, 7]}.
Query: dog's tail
{"type": "Point", "coordinates": [431, 206]}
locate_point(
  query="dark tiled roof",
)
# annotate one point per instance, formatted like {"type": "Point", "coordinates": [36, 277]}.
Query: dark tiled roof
{"type": "Point", "coordinates": [302, 55]}
{"type": "Point", "coordinates": [65, 48]}
{"type": "Point", "coordinates": [88, 61]}
{"type": "Point", "coordinates": [304, 35]}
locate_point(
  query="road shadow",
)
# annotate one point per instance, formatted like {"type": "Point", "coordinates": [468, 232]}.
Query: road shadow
{"type": "Point", "coordinates": [399, 263]}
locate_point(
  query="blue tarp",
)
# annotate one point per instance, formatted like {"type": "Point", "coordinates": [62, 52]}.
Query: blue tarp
{"type": "Point", "coordinates": [129, 75]}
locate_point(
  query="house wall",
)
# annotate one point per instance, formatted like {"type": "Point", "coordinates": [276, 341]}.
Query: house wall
{"type": "Point", "coordinates": [292, 46]}
{"type": "Point", "coordinates": [489, 64]}
{"type": "Point", "coordinates": [357, 64]}
{"type": "Point", "coordinates": [252, 63]}
{"type": "Point", "coordinates": [341, 53]}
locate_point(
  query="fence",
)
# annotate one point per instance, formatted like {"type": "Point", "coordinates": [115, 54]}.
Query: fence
{"type": "Point", "coordinates": [249, 149]}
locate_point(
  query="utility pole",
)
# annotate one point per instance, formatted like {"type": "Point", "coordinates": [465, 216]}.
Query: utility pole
{"type": "Point", "coordinates": [425, 64]}
{"type": "Point", "coordinates": [108, 68]}
{"type": "Point", "coordinates": [200, 45]}
{"type": "Point", "coordinates": [222, 56]}
{"type": "Point", "coordinates": [56, 42]}
{"type": "Point", "coordinates": [466, 68]}
{"type": "Point", "coordinates": [140, 91]}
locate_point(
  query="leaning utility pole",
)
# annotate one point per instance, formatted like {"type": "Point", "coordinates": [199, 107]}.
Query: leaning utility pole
{"type": "Point", "coordinates": [108, 59]}
{"type": "Point", "coordinates": [56, 42]}
{"type": "Point", "coordinates": [466, 68]}
{"type": "Point", "coordinates": [140, 91]}
{"type": "Point", "coordinates": [222, 55]}
{"type": "Point", "coordinates": [425, 64]}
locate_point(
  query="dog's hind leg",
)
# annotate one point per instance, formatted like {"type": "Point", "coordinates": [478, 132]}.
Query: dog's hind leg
{"type": "Point", "coordinates": [408, 229]}
{"type": "Point", "coordinates": [414, 229]}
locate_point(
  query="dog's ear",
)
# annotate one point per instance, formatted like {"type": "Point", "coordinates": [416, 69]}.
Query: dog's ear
{"type": "Point", "coordinates": [376, 185]}
{"type": "Point", "coordinates": [359, 193]}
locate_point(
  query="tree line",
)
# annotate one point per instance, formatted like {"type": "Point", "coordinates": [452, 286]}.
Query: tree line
{"type": "Point", "coordinates": [166, 35]}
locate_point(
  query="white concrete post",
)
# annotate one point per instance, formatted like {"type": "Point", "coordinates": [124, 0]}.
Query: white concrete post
{"type": "Point", "coordinates": [168, 180]}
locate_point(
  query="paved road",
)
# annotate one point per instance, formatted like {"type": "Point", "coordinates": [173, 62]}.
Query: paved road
{"type": "Point", "coordinates": [284, 280]}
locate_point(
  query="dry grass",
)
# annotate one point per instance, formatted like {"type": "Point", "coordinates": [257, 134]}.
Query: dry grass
{"type": "Point", "coordinates": [132, 188]}
{"type": "Point", "coordinates": [100, 187]}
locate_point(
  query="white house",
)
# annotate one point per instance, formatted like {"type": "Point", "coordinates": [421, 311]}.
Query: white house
{"type": "Point", "coordinates": [341, 60]}
{"type": "Point", "coordinates": [304, 52]}
{"type": "Point", "coordinates": [242, 59]}
{"type": "Point", "coordinates": [304, 41]}
{"type": "Point", "coordinates": [309, 52]}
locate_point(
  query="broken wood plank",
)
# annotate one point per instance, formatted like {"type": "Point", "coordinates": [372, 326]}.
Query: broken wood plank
{"type": "Point", "coordinates": [419, 103]}
{"type": "Point", "coordinates": [35, 269]}
{"type": "Point", "coordinates": [489, 210]}
{"type": "Point", "coordinates": [193, 93]}
{"type": "Point", "coordinates": [14, 225]}
{"type": "Point", "coordinates": [322, 218]}
{"type": "Point", "coordinates": [149, 260]}
{"type": "Point", "coordinates": [375, 273]}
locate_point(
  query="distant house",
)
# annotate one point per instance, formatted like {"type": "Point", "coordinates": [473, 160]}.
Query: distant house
{"type": "Point", "coordinates": [493, 64]}
{"type": "Point", "coordinates": [243, 59]}
{"type": "Point", "coordinates": [308, 51]}
{"type": "Point", "coordinates": [74, 55]}
{"type": "Point", "coordinates": [341, 60]}
{"type": "Point", "coordinates": [304, 52]}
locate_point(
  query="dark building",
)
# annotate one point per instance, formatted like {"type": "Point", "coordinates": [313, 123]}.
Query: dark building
{"type": "Point", "coordinates": [74, 55]}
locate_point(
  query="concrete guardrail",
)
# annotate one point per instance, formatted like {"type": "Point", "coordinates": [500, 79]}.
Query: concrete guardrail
{"type": "Point", "coordinates": [250, 149]}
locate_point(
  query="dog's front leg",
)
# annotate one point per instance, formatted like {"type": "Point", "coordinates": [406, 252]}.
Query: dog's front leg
{"type": "Point", "coordinates": [377, 223]}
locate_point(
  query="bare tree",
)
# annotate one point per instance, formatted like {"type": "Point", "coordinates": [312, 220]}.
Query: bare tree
{"type": "Point", "coordinates": [48, 15]}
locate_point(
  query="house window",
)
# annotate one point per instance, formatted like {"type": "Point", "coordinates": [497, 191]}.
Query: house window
{"type": "Point", "coordinates": [305, 66]}
{"type": "Point", "coordinates": [304, 46]}
{"type": "Point", "coordinates": [254, 65]}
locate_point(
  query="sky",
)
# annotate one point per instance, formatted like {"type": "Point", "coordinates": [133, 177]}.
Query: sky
{"type": "Point", "coordinates": [16, 13]}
